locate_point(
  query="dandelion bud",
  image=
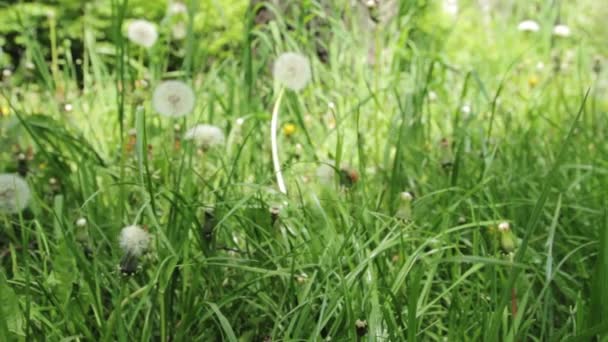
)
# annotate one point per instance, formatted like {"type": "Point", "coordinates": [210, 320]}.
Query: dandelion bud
{"type": "Point", "coordinates": [507, 241]}
{"type": "Point", "coordinates": [597, 65]}
{"type": "Point", "coordinates": [292, 70]}
{"type": "Point", "coordinates": [361, 327]}
{"type": "Point", "coordinates": [14, 193]}
{"type": "Point", "coordinates": [404, 212]}
{"type": "Point", "coordinates": [275, 211]}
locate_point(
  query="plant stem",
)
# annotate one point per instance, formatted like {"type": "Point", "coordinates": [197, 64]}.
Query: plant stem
{"type": "Point", "coordinates": [274, 124]}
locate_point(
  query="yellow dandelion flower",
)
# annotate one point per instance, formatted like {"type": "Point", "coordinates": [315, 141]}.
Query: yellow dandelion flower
{"type": "Point", "coordinates": [533, 81]}
{"type": "Point", "coordinates": [5, 110]}
{"type": "Point", "coordinates": [289, 129]}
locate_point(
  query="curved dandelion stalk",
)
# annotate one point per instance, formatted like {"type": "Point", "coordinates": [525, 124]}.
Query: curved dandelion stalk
{"type": "Point", "coordinates": [274, 126]}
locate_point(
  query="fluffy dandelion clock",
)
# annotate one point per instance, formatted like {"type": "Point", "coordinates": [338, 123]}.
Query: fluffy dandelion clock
{"type": "Point", "coordinates": [292, 70]}
{"type": "Point", "coordinates": [14, 193]}
{"type": "Point", "coordinates": [528, 26]}
{"type": "Point", "coordinates": [561, 31]}
{"type": "Point", "coordinates": [142, 32]}
{"type": "Point", "coordinates": [173, 98]}
{"type": "Point", "coordinates": [206, 136]}
{"type": "Point", "coordinates": [134, 240]}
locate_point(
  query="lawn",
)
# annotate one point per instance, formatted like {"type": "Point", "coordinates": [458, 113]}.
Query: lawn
{"type": "Point", "coordinates": [317, 170]}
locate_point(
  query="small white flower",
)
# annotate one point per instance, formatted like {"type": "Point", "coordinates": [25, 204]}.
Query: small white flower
{"type": "Point", "coordinates": [173, 98]}
{"type": "Point", "coordinates": [292, 70]}
{"type": "Point", "coordinates": [142, 32]}
{"type": "Point", "coordinates": [561, 30]}
{"type": "Point", "coordinates": [179, 30]}
{"type": "Point", "coordinates": [14, 193]}
{"type": "Point", "coordinates": [177, 8]}
{"type": "Point", "coordinates": [504, 226]}
{"type": "Point", "coordinates": [134, 240]}
{"type": "Point", "coordinates": [206, 136]}
{"type": "Point", "coordinates": [81, 222]}
{"type": "Point", "coordinates": [528, 26]}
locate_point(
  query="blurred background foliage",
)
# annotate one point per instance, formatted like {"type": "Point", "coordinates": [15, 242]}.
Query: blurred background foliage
{"type": "Point", "coordinates": [220, 22]}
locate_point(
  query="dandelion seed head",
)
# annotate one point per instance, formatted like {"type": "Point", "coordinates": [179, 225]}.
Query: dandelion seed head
{"type": "Point", "coordinates": [528, 26]}
{"type": "Point", "coordinates": [176, 8]}
{"type": "Point", "coordinates": [562, 30]}
{"type": "Point", "coordinates": [134, 240]}
{"type": "Point", "coordinates": [14, 193]}
{"type": "Point", "coordinates": [81, 222]}
{"type": "Point", "coordinates": [179, 30]}
{"type": "Point", "coordinates": [292, 70]}
{"type": "Point", "coordinates": [206, 136]}
{"type": "Point", "coordinates": [173, 98]}
{"type": "Point", "coordinates": [406, 196]}
{"type": "Point", "coordinates": [142, 32]}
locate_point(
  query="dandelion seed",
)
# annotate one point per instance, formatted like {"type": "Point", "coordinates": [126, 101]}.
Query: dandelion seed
{"type": "Point", "coordinates": [561, 30]}
{"type": "Point", "coordinates": [528, 26]}
{"type": "Point", "coordinates": [173, 98]}
{"type": "Point", "coordinates": [142, 32]}
{"type": "Point", "coordinates": [14, 193]}
{"type": "Point", "coordinates": [292, 70]}
{"type": "Point", "coordinates": [206, 136]}
{"type": "Point", "coordinates": [134, 240]}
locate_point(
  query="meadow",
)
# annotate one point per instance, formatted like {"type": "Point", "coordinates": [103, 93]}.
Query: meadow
{"type": "Point", "coordinates": [416, 170]}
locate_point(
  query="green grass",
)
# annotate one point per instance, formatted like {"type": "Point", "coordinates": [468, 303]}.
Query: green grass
{"type": "Point", "coordinates": [532, 151]}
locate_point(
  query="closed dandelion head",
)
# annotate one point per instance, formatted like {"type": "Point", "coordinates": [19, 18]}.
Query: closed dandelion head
{"type": "Point", "coordinates": [173, 98]}
{"type": "Point", "coordinates": [406, 196]}
{"type": "Point", "coordinates": [504, 226]}
{"type": "Point", "coordinates": [81, 222]}
{"type": "Point", "coordinates": [292, 70]}
{"type": "Point", "coordinates": [134, 240]}
{"type": "Point", "coordinates": [142, 32]}
{"type": "Point", "coordinates": [14, 193]}
{"type": "Point", "coordinates": [561, 30]}
{"type": "Point", "coordinates": [206, 136]}
{"type": "Point", "coordinates": [528, 26]}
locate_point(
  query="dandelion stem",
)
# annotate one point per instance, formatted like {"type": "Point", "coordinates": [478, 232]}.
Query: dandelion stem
{"type": "Point", "coordinates": [274, 124]}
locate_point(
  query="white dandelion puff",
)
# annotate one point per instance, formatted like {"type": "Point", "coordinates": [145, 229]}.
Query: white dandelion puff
{"type": "Point", "coordinates": [179, 30]}
{"type": "Point", "coordinates": [176, 8]}
{"type": "Point", "coordinates": [528, 26]}
{"type": "Point", "coordinates": [142, 32]}
{"type": "Point", "coordinates": [173, 98]}
{"type": "Point", "coordinates": [504, 226]}
{"type": "Point", "coordinates": [561, 30]}
{"type": "Point", "coordinates": [14, 193]}
{"type": "Point", "coordinates": [206, 136]}
{"type": "Point", "coordinates": [134, 240]}
{"type": "Point", "coordinates": [292, 70]}
{"type": "Point", "coordinates": [81, 222]}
